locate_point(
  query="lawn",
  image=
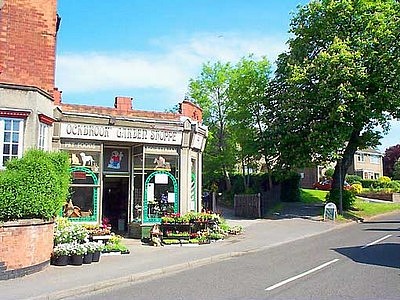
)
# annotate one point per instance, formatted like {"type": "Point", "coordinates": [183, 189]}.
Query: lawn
{"type": "Point", "coordinates": [362, 209]}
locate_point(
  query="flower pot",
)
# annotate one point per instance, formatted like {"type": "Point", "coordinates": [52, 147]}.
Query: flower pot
{"type": "Point", "coordinates": [76, 260]}
{"type": "Point", "coordinates": [87, 258]}
{"type": "Point", "coordinates": [61, 260]}
{"type": "Point", "coordinates": [96, 256]}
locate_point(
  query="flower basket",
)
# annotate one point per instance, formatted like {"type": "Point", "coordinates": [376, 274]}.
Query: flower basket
{"type": "Point", "coordinates": [61, 260]}
{"type": "Point", "coordinates": [88, 258]}
{"type": "Point", "coordinates": [76, 260]}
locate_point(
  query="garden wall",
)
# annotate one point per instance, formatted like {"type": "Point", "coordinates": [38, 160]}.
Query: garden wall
{"type": "Point", "coordinates": [25, 247]}
{"type": "Point", "coordinates": [391, 197]}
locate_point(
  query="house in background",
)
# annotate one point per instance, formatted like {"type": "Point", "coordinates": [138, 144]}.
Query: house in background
{"type": "Point", "coordinates": [367, 163]}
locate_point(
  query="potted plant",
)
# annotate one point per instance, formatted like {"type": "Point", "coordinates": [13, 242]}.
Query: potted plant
{"type": "Point", "coordinates": [60, 255]}
{"type": "Point", "coordinates": [77, 251]}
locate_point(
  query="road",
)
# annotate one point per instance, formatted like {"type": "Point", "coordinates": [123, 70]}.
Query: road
{"type": "Point", "coordinates": [360, 261]}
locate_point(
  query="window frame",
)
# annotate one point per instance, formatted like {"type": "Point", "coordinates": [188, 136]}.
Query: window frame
{"type": "Point", "coordinates": [20, 143]}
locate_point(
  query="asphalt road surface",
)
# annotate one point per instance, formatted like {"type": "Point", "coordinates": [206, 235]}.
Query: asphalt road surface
{"type": "Point", "coordinates": [360, 261]}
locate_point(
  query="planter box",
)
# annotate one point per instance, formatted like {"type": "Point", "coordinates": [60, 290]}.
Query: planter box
{"type": "Point", "coordinates": [25, 247]}
{"type": "Point", "coordinates": [390, 197]}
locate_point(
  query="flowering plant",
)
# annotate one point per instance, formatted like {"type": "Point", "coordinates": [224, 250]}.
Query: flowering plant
{"type": "Point", "coordinates": [77, 249]}
{"type": "Point", "coordinates": [66, 232]}
{"type": "Point", "coordinates": [61, 249]}
{"type": "Point", "coordinates": [92, 247]}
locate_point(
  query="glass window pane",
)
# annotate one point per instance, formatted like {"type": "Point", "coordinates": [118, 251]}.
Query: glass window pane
{"type": "Point", "coordinates": [6, 149]}
{"type": "Point", "coordinates": [16, 125]}
{"type": "Point", "coordinates": [15, 137]}
{"type": "Point", "coordinates": [7, 137]}
{"type": "Point", "coordinates": [14, 150]}
{"type": "Point", "coordinates": [82, 202]}
{"type": "Point", "coordinates": [7, 124]}
{"type": "Point", "coordinates": [5, 158]}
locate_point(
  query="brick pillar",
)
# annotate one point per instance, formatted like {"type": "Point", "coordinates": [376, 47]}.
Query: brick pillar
{"type": "Point", "coordinates": [27, 42]}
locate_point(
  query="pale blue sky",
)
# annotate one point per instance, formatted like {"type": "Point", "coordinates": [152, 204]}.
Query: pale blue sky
{"type": "Point", "coordinates": [149, 49]}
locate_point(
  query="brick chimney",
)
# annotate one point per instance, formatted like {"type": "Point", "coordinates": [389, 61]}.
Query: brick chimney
{"type": "Point", "coordinates": [123, 103]}
{"type": "Point", "coordinates": [191, 110]}
{"type": "Point", "coordinates": [57, 96]}
{"type": "Point", "coordinates": [28, 31]}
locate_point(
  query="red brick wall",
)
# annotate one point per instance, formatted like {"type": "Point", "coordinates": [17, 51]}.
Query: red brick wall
{"type": "Point", "coordinates": [27, 42]}
{"type": "Point", "coordinates": [191, 110]}
{"type": "Point", "coordinates": [25, 243]}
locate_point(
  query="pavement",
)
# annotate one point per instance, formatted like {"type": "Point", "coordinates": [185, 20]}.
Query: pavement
{"type": "Point", "coordinates": [147, 262]}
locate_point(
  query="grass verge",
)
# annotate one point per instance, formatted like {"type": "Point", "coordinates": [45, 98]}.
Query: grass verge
{"type": "Point", "coordinates": [362, 209]}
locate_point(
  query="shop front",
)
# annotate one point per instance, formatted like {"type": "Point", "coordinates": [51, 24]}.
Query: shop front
{"type": "Point", "coordinates": [130, 172]}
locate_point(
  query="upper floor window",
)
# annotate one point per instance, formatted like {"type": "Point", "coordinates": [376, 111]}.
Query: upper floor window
{"type": "Point", "coordinates": [11, 139]}
{"type": "Point", "coordinates": [375, 159]}
{"type": "Point", "coordinates": [361, 157]}
{"type": "Point", "coordinates": [43, 136]}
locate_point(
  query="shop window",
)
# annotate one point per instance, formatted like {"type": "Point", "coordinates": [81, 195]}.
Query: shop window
{"type": "Point", "coordinates": [84, 192]}
{"type": "Point", "coordinates": [83, 158]}
{"type": "Point", "coordinates": [116, 160]}
{"type": "Point", "coordinates": [11, 139]}
{"type": "Point", "coordinates": [161, 193]}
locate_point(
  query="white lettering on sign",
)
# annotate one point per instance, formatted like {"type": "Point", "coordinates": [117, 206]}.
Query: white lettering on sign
{"type": "Point", "coordinates": [116, 133]}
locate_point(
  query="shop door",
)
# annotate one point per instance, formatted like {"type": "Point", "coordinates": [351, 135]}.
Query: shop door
{"type": "Point", "coordinates": [115, 202]}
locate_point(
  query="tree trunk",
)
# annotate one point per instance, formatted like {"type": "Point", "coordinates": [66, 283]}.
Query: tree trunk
{"type": "Point", "coordinates": [343, 164]}
{"type": "Point", "coordinates": [227, 180]}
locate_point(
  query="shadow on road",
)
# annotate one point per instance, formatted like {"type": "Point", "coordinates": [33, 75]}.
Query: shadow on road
{"type": "Point", "coordinates": [386, 255]}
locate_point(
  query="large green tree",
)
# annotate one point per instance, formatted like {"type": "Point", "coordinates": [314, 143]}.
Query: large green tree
{"type": "Point", "coordinates": [210, 91]}
{"type": "Point", "coordinates": [233, 98]}
{"type": "Point", "coordinates": [338, 81]}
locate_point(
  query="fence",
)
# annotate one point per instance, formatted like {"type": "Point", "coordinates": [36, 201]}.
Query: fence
{"type": "Point", "coordinates": [256, 205]}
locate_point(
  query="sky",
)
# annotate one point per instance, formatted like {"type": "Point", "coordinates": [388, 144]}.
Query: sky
{"type": "Point", "coordinates": [150, 49]}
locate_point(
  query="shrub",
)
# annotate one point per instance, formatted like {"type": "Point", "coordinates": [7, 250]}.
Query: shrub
{"type": "Point", "coordinates": [357, 188]}
{"type": "Point", "coordinates": [367, 183]}
{"type": "Point", "coordinates": [348, 198]}
{"type": "Point", "coordinates": [384, 179]}
{"type": "Point", "coordinates": [34, 186]}
{"type": "Point", "coordinates": [353, 179]}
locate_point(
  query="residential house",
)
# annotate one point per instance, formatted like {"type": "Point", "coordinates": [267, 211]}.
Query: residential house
{"type": "Point", "coordinates": [368, 164]}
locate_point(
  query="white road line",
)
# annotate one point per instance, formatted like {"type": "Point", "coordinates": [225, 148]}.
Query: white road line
{"type": "Point", "coordinates": [301, 275]}
{"type": "Point", "coordinates": [377, 241]}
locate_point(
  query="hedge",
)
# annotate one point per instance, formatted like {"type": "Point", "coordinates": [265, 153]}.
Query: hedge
{"type": "Point", "coordinates": [34, 186]}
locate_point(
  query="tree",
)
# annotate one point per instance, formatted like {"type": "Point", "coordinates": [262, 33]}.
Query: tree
{"type": "Point", "coordinates": [251, 112]}
{"type": "Point", "coordinates": [210, 91]}
{"type": "Point", "coordinates": [233, 98]}
{"type": "Point", "coordinates": [392, 154]}
{"type": "Point", "coordinates": [338, 81]}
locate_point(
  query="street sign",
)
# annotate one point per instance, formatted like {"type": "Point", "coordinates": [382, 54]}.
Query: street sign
{"type": "Point", "coordinates": [330, 211]}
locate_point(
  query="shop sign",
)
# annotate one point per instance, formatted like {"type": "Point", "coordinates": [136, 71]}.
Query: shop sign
{"type": "Point", "coordinates": [80, 146]}
{"type": "Point", "coordinates": [121, 134]}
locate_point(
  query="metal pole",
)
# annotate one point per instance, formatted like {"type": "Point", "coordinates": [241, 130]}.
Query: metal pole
{"type": "Point", "coordinates": [340, 189]}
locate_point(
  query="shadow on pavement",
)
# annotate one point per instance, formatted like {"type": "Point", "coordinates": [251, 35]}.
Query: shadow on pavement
{"type": "Point", "coordinates": [386, 255]}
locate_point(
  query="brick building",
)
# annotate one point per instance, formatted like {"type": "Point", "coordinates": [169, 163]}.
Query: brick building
{"type": "Point", "coordinates": [128, 166]}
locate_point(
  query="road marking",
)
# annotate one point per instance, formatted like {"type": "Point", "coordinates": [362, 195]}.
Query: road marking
{"type": "Point", "coordinates": [301, 275]}
{"type": "Point", "coordinates": [377, 241]}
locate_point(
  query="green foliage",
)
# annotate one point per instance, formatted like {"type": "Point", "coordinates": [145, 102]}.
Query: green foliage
{"type": "Point", "coordinates": [34, 186]}
{"type": "Point", "coordinates": [342, 65]}
{"type": "Point", "coordinates": [290, 188]}
{"type": "Point", "coordinates": [353, 179]}
{"type": "Point", "coordinates": [367, 183]}
{"type": "Point", "coordinates": [233, 101]}
{"type": "Point", "coordinates": [396, 170]}
{"type": "Point", "coordinates": [329, 172]}
{"type": "Point", "coordinates": [348, 198]}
